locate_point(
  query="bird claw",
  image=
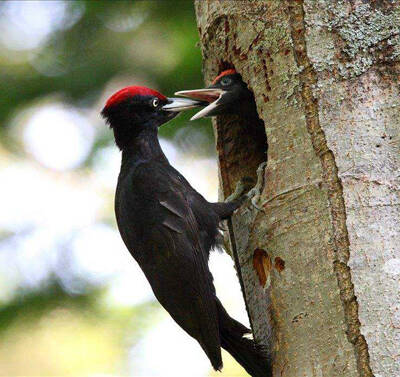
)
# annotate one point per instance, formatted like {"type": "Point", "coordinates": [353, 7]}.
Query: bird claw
{"type": "Point", "coordinates": [240, 188]}
{"type": "Point", "coordinates": [254, 202]}
{"type": "Point", "coordinates": [255, 193]}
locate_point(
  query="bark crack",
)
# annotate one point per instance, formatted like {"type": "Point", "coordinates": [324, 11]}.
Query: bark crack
{"type": "Point", "coordinates": [307, 78]}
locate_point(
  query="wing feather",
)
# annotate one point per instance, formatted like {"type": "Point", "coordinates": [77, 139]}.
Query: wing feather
{"type": "Point", "coordinates": [166, 243]}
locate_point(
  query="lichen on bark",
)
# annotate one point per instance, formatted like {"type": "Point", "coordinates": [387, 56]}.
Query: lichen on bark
{"type": "Point", "coordinates": [325, 75]}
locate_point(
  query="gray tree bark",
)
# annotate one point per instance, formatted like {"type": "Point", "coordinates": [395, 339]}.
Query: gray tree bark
{"type": "Point", "coordinates": [321, 264]}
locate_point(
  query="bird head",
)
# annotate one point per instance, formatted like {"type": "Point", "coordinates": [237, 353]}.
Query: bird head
{"type": "Point", "coordinates": [135, 108]}
{"type": "Point", "coordinates": [138, 106]}
{"type": "Point", "coordinates": [227, 94]}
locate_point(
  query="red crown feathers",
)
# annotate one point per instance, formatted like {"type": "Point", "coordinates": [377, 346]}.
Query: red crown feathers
{"type": "Point", "coordinates": [222, 74]}
{"type": "Point", "coordinates": [131, 91]}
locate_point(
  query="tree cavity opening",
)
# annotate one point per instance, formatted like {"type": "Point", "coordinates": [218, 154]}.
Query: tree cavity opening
{"type": "Point", "coordinates": [241, 143]}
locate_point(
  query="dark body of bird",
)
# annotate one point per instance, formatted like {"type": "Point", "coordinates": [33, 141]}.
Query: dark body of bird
{"type": "Point", "coordinates": [169, 229]}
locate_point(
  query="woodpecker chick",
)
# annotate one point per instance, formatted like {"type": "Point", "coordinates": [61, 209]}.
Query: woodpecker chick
{"type": "Point", "coordinates": [169, 228]}
{"type": "Point", "coordinates": [227, 94]}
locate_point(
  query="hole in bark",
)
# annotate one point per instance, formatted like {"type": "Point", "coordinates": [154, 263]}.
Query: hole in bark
{"type": "Point", "coordinates": [279, 264]}
{"type": "Point", "coordinates": [241, 142]}
{"type": "Point", "coordinates": [223, 66]}
{"type": "Point", "coordinates": [262, 264]}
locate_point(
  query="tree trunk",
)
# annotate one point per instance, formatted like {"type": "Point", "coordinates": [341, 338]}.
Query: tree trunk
{"type": "Point", "coordinates": [325, 75]}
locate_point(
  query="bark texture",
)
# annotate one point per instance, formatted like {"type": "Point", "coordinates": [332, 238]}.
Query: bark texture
{"type": "Point", "coordinates": [326, 78]}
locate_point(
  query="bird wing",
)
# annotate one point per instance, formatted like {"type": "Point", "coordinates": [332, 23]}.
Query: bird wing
{"type": "Point", "coordinates": [160, 230]}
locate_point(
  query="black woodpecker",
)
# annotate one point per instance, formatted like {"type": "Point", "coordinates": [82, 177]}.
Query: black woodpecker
{"type": "Point", "coordinates": [169, 228]}
{"type": "Point", "coordinates": [227, 94]}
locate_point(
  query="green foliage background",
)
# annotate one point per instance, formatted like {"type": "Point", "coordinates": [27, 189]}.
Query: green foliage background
{"type": "Point", "coordinates": [96, 48]}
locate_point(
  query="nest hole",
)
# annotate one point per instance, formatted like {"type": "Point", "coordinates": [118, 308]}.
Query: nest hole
{"type": "Point", "coordinates": [241, 143]}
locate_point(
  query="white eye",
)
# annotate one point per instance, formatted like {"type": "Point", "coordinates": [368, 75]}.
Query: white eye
{"type": "Point", "coordinates": [226, 81]}
{"type": "Point", "coordinates": [155, 102]}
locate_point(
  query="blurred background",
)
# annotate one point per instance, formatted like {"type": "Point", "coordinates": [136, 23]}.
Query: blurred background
{"type": "Point", "coordinates": [72, 300]}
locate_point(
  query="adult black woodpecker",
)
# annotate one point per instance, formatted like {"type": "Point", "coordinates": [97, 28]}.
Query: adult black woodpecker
{"type": "Point", "coordinates": [227, 94]}
{"type": "Point", "coordinates": [169, 228]}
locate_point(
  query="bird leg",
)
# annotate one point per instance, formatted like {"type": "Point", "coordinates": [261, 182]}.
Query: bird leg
{"type": "Point", "coordinates": [255, 193]}
{"type": "Point", "coordinates": [240, 189]}
{"type": "Point", "coordinates": [226, 208]}
{"type": "Point", "coordinates": [238, 197]}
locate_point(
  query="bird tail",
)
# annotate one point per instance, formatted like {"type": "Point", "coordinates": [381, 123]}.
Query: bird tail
{"type": "Point", "coordinates": [244, 350]}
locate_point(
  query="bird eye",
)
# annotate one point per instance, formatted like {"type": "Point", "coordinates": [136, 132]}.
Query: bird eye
{"type": "Point", "coordinates": [226, 81]}
{"type": "Point", "coordinates": [155, 102]}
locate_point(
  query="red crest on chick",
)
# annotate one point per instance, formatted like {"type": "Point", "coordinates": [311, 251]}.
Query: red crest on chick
{"type": "Point", "coordinates": [222, 74]}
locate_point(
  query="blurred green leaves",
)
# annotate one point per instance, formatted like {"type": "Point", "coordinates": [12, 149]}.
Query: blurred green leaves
{"type": "Point", "coordinates": [148, 42]}
{"type": "Point", "coordinates": [87, 336]}
{"type": "Point", "coordinates": [59, 61]}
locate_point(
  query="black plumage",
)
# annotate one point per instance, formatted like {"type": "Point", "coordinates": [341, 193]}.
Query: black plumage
{"type": "Point", "coordinates": [169, 229]}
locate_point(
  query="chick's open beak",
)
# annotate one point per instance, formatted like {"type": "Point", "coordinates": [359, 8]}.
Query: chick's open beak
{"type": "Point", "coordinates": [181, 104]}
{"type": "Point", "coordinates": [209, 96]}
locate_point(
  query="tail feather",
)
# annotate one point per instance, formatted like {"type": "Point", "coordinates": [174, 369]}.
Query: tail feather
{"type": "Point", "coordinates": [244, 350]}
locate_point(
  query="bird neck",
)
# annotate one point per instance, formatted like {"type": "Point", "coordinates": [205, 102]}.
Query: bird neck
{"type": "Point", "coordinates": [144, 147]}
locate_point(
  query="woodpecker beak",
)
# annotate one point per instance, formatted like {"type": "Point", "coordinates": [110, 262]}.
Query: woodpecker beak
{"type": "Point", "coordinates": [181, 104]}
{"type": "Point", "coordinates": [212, 96]}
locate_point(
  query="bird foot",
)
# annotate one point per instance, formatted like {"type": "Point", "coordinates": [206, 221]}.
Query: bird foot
{"type": "Point", "coordinates": [255, 193]}
{"type": "Point", "coordinates": [240, 189]}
